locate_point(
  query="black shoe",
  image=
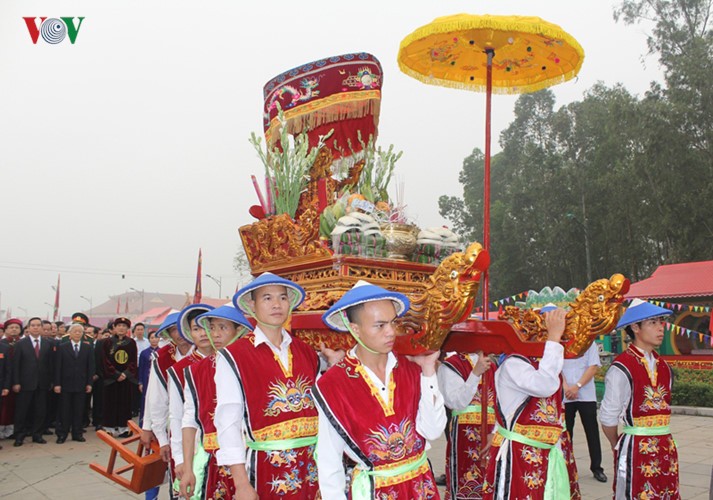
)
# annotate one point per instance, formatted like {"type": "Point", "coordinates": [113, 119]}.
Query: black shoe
{"type": "Point", "coordinates": [18, 442]}
{"type": "Point", "coordinates": [47, 432]}
{"type": "Point", "coordinates": [600, 476]}
{"type": "Point", "coordinates": [79, 439]}
{"type": "Point", "coordinates": [441, 480]}
{"type": "Point", "coordinates": [39, 440]}
{"type": "Point", "coordinates": [125, 434]}
{"type": "Point", "coordinates": [61, 439]}
{"type": "Point", "coordinates": [99, 428]}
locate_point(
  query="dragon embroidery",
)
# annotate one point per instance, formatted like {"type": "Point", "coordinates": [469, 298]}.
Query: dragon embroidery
{"type": "Point", "coordinates": [393, 442]}
{"type": "Point", "coordinates": [292, 396]}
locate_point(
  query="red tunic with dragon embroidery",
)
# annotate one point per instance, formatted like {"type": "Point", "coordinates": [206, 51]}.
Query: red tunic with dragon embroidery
{"type": "Point", "coordinates": [541, 419]}
{"type": "Point", "coordinates": [382, 436]}
{"type": "Point", "coordinates": [464, 468]}
{"type": "Point", "coordinates": [164, 359]}
{"type": "Point", "coordinates": [279, 406]}
{"type": "Point", "coordinates": [200, 380]}
{"type": "Point", "coordinates": [651, 462]}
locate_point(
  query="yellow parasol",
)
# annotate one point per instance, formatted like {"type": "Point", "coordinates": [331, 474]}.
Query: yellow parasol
{"type": "Point", "coordinates": [501, 54]}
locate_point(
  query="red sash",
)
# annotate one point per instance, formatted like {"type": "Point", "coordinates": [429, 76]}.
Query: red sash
{"type": "Point", "coordinates": [464, 469]}
{"type": "Point", "coordinates": [382, 436]}
{"type": "Point", "coordinates": [541, 419]}
{"type": "Point", "coordinates": [279, 406]}
{"type": "Point", "coordinates": [200, 379]}
{"type": "Point", "coordinates": [651, 461]}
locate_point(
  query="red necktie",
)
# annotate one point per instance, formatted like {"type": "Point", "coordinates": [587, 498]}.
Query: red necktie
{"type": "Point", "coordinates": [37, 348]}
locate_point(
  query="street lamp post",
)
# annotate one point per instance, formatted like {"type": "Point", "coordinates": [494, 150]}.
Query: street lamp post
{"type": "Point", "coordinates": [219, 282]}
{"type": "Point", "coordinates": [91, 304]}
{"type": "Point", "coordinates": [142, 297]}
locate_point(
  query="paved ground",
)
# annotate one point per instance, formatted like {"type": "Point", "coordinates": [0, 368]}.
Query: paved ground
{"type": "Point", "coordinates": [61, 471]}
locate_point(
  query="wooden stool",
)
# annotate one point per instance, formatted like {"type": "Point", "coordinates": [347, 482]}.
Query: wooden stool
{"type": "Point", "coordinates": [147, 468]}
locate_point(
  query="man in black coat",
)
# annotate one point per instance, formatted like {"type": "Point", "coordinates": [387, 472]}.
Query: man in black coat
{"type": "Point", "coordinates": [74, 369]}
{"type": "Point", "coordinates": [32, 364]}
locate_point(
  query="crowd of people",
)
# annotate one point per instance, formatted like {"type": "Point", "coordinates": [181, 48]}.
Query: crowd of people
{"type": "Point", "coordinates": [60, 379]}
{"type": "Point", "coordinates": [242, 409]}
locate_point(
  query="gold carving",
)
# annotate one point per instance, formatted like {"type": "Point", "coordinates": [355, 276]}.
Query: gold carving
{"type": "Point", "coordinates": [448, 297]}
{"type": "Point", "coordinates": [333, 340]}
{"type": "Point", "coordinates": [594, 312]}
{"type": "Point", "coordinates": [279, 238]}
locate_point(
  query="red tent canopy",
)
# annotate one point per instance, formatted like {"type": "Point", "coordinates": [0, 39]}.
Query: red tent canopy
{"type": "Point", "coordinates": [688, 279]}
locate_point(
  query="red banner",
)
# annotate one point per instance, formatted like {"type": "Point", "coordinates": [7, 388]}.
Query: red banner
{"type": "Point", "coordinates": [198, 294]}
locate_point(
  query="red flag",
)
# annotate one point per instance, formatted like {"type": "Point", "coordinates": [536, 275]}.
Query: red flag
{"type": "Point", "coordinates": [198, 294]}
{"type": "Point", "coordinates": [118, 304]}
{"type": "Point", "coordinates": [55, 313]}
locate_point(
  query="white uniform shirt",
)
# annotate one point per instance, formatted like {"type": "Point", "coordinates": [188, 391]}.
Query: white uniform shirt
{"type": "Point", "coordinates": [573, 370]}
{"type": "Point", "coordinates": [175, 418]}
{"type": "Point", "coordinates": [189, 420]}
{"type": "Point", "coordinates": [458, 393]}
{"type": "Point", "coordinates": [515, 381]}
{"type": "Point", "coordinates": [230, 407]}
{"type": "Point", "coordinates": [430, 422]}
{"type": "Point", "coordinates": [156, 408]}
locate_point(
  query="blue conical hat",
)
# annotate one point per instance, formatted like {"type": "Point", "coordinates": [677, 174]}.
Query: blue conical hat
{"type": "Point", "coordinates": [184, 329]}
{"type": "Point", "coordinates": [227, 311]}
{"type": "Point", "coordinates": [168, 322]}
{"type": "Point", "coordinates": [640, 310]}
{"type": "Point", "coordinates": [295, 292]}
{"type": "Point", "coordinates": [361, 293]}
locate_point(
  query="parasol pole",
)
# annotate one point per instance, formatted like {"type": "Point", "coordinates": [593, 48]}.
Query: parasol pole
{"type": "Point", "coordinates": [486, 180]}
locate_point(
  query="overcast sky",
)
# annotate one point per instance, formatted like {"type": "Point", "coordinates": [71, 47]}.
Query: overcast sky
{"type": "Point", "coordinates": [128, 151]}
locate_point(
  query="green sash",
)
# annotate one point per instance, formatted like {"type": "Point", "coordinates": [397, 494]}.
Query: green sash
{"type": "Point", "coordinates": [360, 484]}
{"type": "Point", "coordinates": [646, 431]}
{"type": "Point", "coordinates": [282, 444]}
{"type": "Point", "coordinates": [557, 485]}
{"type": "Point", "coordinates": [471, 409]}
{"type": "Point", "coordinates": [200, 460]}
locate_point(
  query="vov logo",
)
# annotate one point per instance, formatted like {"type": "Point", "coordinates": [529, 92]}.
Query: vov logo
{"type": "Point", "coordinates": [53, 30]}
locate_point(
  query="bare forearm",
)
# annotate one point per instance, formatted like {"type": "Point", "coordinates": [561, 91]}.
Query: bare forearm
{"type": "Point", "coordinates": [588, 374]}
{"type": "Point", "coordinates": [189, 444]}
{"type": "Point", "coordinates": [612, 434]}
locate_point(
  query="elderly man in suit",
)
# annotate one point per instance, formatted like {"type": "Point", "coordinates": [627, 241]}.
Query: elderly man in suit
{"type": "Point", "coordinates": [74, 369]}
{"type": "Point", "coordinates": [32, 377]}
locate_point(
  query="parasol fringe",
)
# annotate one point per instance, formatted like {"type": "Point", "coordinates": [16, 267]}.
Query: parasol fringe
{"type": "Point", "coordinates": [312, 115]}
{"type": "Point", "coordinates": [524, 88]}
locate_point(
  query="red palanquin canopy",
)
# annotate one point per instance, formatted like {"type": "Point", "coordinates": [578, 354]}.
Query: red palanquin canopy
{"type": "Point", "coordinates": [341, 93]}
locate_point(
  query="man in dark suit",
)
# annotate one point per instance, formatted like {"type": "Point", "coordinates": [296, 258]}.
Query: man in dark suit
{"type": "Point", "coordinates": [32, 377]}
{"type": "Point", "coordinates": [74, 369]}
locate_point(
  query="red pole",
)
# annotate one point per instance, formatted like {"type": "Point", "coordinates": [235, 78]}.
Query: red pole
{"type": "Point", "coordinates": [486, 177]}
